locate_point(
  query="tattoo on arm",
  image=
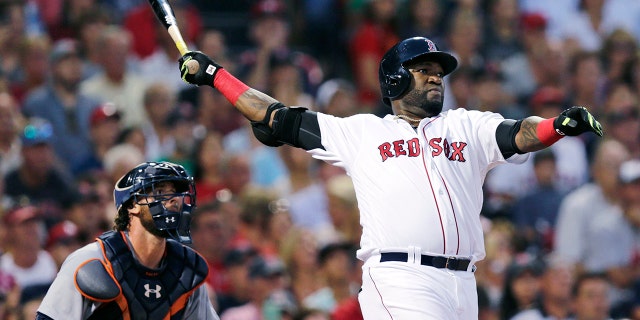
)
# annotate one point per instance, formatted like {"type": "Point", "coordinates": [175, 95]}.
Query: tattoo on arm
{"type": "Point", "coordinates": [527, 137]}
{"type": "Point", "coordinates": [253, 104]}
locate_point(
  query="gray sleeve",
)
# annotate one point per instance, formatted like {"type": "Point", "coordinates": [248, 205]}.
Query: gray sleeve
{"type": "Point", "coordinates": [199, 306]}
{"type": "Point", "coordinates": [63, 300]}
{"type": "Point", "coordinates": [570, 231]}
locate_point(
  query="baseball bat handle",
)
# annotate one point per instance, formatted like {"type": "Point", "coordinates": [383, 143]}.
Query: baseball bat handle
{"type": "Point", "coordinates": [174, 32]}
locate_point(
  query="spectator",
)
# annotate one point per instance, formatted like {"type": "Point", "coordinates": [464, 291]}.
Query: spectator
{"type": "Point", "coordinates": [502, 31]}
{"type": "Point", "coordinates": [12, 29]}
{"type": "Point", "coordinates": [39, 178]}
{"type": "Point", "coordinates": [522, 285]}
{"type": "Point", "coordinates": [34, 52]}
{"type": "Point", "coordinates": [236, 174]}
{"type": "Point", "coordinates": [464, 37]}
{"type": "Point", "coordinates": [141, 22]}
{"type": "Point", "coordinates": [622, 277]}
{"type": "Point", "coordinates": [337, 97]}
{"type": "Point", "coordinates": [371, 38]}
{"type": "Point", "coordinates": [307, 196]}
{"type": "Point", "coordinates": [310, 314]}
{"type": "Point", "coordinates": [159, 102]}
{"type": "Point", "coordinates": [499, 238]}
{"type": "Point", "coordinates": [556, 12]}
{"type": "Point", "coordinates": [260, 208]}
{"type": "Point", "coordinates": [618, 51]}
{"type": "Point", "coordinates": [488, 93]}
{"type": "Point", "coordinates": [30, 299]}
{"type": "Point", "coordinates": [348, 310]}
{"type": "Point", "coordinates": [26, 260]}
{"type": "Point", "coordinates": [586, 28]}
{"type": "Point", "coordinates": [632, 74]}
{"type": "Point", "coordinates": [91, 24]}
{"type": "Point", "coordinates": [554, 301]}
{"type": "Point", "coordinates": [236, 262]}
{"type": "Point", "coordinates": [10, 121]}
{"type": "Point", "coordinates": [299, 252]}
{"type": "Point", "coordinates": [134, 136]}
{"type": "Point", "coordinates": [524, 72]}
{"type": "Point", "coordinates": [208, 173]}
{"type": "Point", "coordinates": [62, 240]}
{"type": "Point", "coordinates": [343, 210]}
{"type": "Point", "coordinates": [9, 295]}
{"type": "Point", "coordinates": [536, 212]}
{"type": "Point", "coordinates": [590, 222]}
{"type": "Point", "coordinates": [64, 106]}
{"type": "Point", "coordinates": [120, 159]}
{"type": "Point", "coordinates": [461, 84]}
{"type": "Point", "coordinates": [425, 19]}
{"type": "Point", "coordinates": [590, 297]}
{"type": "Point", "coordinates": [337, 263]}
{"type": "Point", "coordinates": [622, 118]}
{"type": "Point", "coordinates": [587, 80]}
{"type": "Point", "coordinates": [266, 166]}
{"type": "Point", "coordinates": [160, 65]}
{"type": "Point", "coordinates": [117, 82]}
{"type": "Point", "coordinates": [264, 280]}
{"type": "Point", "coordinates": [89, 215]}
{"type": "Point", "coordinates": [212, 110]}
{"type": "Point", "coordinates": [104, 129]}
{"type": "Point", "coordinates": [211, 237]}
{"type": "Point", "coordinates": [65, 23]}
{"type": "Point", "coordinates": [270, 32]}
{"type": "Point", "coordinates": [285, 81]}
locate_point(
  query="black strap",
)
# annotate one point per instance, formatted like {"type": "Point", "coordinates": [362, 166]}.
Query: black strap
{"type": "Point", "coordinates": [457, 264]}
{"type": "Point", "coordinates": [107, 311]}
{"type": "Point", "coordinates": [42, 316]}
{"type": "Point", "coordinates": [506, 137]}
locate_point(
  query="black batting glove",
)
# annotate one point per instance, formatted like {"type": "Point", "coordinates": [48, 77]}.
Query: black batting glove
{"type": "Point", "coordinates": [206, 71]}
{"type": "Point", "coordinates": [575, 121]}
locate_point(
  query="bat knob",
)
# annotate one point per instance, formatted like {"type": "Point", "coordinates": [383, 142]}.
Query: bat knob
{"type": "Point", "coordinates": [193, 66]}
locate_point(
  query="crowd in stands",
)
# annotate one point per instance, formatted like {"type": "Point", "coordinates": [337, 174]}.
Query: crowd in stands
{"type": "Point", "coordinates": [91, 88]}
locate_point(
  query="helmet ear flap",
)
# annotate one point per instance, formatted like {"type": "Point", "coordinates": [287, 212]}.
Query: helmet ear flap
{"type": "Point", "coordinates": [395, 84]}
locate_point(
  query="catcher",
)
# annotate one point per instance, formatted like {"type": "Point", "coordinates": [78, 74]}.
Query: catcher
{"type": "Point", "coordinates": [142, 270]}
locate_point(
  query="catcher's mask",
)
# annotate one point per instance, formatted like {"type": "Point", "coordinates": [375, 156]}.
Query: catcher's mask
{"type": "Point", "coordinates": [143, 182]}
{"type": "Point", "coordinates": [393, 75]}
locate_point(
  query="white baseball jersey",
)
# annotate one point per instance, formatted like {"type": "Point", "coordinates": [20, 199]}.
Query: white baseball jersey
{"type": "Point", "coordinates": [417, 188]}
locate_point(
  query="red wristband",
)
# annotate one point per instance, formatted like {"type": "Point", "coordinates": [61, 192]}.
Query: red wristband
{"type": "Point", "coordinates": [546, 133]}
{"type": "Point", "coordinates": [230, 87]}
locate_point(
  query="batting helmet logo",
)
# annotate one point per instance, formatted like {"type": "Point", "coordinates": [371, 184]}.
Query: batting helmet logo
{"type": "Point", "coordinates": [393, 75]}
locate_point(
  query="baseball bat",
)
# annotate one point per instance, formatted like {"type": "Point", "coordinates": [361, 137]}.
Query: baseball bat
{"type": "Point", "coordinates": [164, 13]}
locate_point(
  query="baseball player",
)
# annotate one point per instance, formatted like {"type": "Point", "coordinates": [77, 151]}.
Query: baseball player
{"type": "Point", "coordinates": [418, 174]}
{"type": "Point", "coordinates": [142, 270]}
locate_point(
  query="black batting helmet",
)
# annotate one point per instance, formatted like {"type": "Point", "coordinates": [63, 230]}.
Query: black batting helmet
{"type": "Point", "coordinates": [395, 78]}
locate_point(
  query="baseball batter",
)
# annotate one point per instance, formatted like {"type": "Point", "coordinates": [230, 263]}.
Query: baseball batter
{"type": "Point", "coordinates": [142, 270]}
{"type": "Point", "coordinates": [418, 174]}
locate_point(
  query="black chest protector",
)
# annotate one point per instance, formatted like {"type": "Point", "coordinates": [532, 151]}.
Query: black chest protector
{"type": "Point", "coordinates": [145, 293]}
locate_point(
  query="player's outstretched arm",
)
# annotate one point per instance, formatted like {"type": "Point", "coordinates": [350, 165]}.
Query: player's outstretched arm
{"type": "Point", "coordinates": [537, 133]}
{"type": "Point", "coordinates": [252, 103]}
{"type": "Point", "coordinates": [272, 123]}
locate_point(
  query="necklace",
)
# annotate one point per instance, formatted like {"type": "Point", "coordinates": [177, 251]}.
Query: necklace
{"type": "Point", "coordinates": [414, 122]}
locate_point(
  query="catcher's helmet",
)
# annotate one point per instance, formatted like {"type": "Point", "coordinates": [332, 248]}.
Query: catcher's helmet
{"type": "Point", "coordinates": [141, 182]}
{"type": "Point", "coordinates": [393, 75]}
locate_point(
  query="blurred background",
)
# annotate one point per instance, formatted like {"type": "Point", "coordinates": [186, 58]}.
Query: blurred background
{"type": "Point", "coordinates": [90, 88]}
